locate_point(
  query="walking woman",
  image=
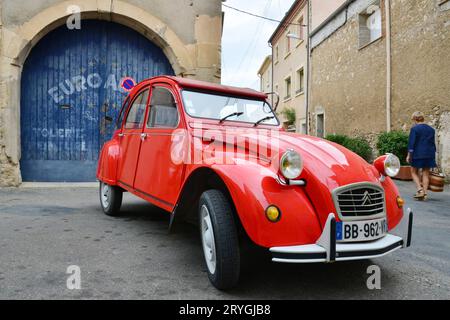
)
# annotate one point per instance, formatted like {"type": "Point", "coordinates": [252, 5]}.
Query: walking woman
{"type": "Point", "coordinates": [421, 154]}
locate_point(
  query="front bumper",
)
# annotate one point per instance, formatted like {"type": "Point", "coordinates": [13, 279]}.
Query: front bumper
{"type": "Point", "coordinates": [327, 250]}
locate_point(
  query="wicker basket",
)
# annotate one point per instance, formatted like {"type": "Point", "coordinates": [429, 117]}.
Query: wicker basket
{"type": "Point", "coordinates": [437, 181]}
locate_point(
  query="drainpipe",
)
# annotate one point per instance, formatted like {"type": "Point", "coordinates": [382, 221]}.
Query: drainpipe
{"type": "Point", "coordinates": [308, 65]}
{"type": "Point", "coordinates": [271, 73]}
{"type": "Point", "coordinates": [388, 65]}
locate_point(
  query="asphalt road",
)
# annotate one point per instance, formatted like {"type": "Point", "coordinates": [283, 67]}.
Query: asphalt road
{"type": "Point", "coordinates": [45, 230]}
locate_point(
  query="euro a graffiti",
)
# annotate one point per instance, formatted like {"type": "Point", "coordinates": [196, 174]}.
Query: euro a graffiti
{"type": "Point", "coordinates": [80, 83]}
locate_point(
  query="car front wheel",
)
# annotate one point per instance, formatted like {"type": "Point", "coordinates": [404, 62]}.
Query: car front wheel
{"type": "Point", "coordinates": [219, 239]}
{"type": "Point", "coordinates": [110, 199]}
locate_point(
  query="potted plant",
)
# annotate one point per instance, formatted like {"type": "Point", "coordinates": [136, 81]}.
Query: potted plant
{"type": "Point", "coordinates": [396, 142]}
{"type": "Point", "coordinates": [290, 116]}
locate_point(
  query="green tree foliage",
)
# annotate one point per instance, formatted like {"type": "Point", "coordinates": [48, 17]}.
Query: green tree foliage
{"type": "Point", "coordinates": [359, 146]}
{"type": "Point", "coordinates": [395, 142]}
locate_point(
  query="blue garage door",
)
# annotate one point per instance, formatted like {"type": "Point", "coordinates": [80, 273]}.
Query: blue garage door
{"type": "Point", "coordinates": [71, 90]}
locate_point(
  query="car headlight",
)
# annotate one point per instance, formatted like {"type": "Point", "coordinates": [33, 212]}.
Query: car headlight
{"type": "Point", "coordinates": [291, 164]}
{"type": "Point", "coordinates": [391, 165]}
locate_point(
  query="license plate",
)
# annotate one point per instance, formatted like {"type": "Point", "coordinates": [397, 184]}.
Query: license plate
{"type": "Point", "coordinates": [361, 230]}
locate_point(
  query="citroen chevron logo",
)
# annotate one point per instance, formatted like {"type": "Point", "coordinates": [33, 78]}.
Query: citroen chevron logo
{"type": "Point", "coordinates": [366, 199]}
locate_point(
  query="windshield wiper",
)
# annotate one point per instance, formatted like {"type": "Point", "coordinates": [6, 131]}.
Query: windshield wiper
{"type": "Point", "coordinates": [264, 119]}
{"type": "Point", "coordinates": [237, 114]}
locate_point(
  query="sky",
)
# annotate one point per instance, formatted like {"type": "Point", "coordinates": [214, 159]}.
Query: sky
{"type": "Point", "coordinates": [245, 39]}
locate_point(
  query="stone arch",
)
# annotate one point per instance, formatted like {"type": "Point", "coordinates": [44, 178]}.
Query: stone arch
{"type": "Point", "coordinates": [18, 42]}
{"type": "Point", "coordinates": [27, 35]}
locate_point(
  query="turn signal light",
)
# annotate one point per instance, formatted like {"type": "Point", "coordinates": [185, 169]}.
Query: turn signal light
{"type": "Point", "coordinates": [400, 202]}
{"type": "Point", "coordinates": [273, 214]}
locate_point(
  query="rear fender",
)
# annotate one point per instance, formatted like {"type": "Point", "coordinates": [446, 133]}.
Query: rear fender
{"type": "Point", "coordinates": [108, 162]}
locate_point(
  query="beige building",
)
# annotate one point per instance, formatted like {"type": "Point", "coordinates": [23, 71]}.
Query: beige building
{"type": "Point", "coordinates": [185, 37]}
{"type": "Point", "coordinates": [289, 54]}
{"type": "Point", "coordinates": [375, 62]}
{"type": "Point", "coordinates": [289, 45]}
{"type": "Point", "coordinates": [265, 75]}
{"type": "Point", "coordinates": [320, 10]}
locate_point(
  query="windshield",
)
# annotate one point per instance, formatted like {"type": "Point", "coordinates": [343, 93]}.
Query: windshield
{"type": "Point", "coordinates": [211, 106]}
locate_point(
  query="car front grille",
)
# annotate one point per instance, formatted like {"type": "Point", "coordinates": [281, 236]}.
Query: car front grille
{"type": "Point", "coordinates": [362, 200]}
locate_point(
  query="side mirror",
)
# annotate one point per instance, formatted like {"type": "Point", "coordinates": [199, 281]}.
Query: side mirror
{"type": "Point", "coordinates": [275, 106]}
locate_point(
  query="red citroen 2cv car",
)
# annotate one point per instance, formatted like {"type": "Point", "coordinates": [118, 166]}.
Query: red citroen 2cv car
{"type": "Point", "coordinates": [218, 155]}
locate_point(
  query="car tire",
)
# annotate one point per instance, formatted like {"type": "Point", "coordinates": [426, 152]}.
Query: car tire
{"type": "Point", "coordinates": [219, 237]}
{"type": "Point", "coordinates": [110, 199]}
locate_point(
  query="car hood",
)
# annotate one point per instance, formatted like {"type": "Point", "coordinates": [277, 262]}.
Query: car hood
{"type": "Point", "coordinates": [327, 166]}
{"type": "Point", "coordinates": [331, 164]}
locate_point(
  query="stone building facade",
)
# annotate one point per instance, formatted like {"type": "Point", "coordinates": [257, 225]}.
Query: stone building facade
{"type": "Point", "coordinates": [187, 32]}
{"type": "Point", "coordinates": [374, 63]}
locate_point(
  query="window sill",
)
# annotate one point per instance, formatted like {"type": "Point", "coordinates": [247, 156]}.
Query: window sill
{"type": "Point", "coordinates": [299, 43]}
{"type": "Point", "coordinates": [287, 55]}
{"type": "Point", "coordinates": [444, 5]}
{"type": "Point", "coordinates": [299, 93]}
{"type": "Point", "coordinates": [361, 47]}
{"type": "Point", "coordinates": [286, 99]}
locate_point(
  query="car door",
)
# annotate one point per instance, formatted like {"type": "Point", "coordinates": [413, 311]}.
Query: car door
{"type": "Point", "coordinates": [130, 138]}
{"type": "Point", "coordinates": [160, 171]}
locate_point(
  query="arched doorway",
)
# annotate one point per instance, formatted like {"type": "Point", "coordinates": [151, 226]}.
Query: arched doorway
{"type": "Point", "coordinates": [70, 90]}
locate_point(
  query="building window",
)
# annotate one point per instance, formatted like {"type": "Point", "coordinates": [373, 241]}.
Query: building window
{"type": "Point", "coordinates": [288, 43]}
{"type": "Point", "coordinates": [320, 125]}
{"type": "Point", "coordinates": [300, 81]}
{"type": "Point", "coordinates": [288, 86]}
{"type": "Point", "coordinates": [370, 22]}
{"type": "Point", "coordinates": [277, 53]}
{"type": "Point", "coordinates": [300, 29]}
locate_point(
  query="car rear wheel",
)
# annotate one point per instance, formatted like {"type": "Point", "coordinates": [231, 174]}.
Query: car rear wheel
{"type": "Point", "coordinates": [219, 239]}
{"type": "Point", "coordinates": [110, 199]}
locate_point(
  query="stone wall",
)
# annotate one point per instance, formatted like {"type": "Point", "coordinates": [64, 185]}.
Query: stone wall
{"type": "Point", "coordinates": [421, 68]}
{"type": "Point", "coordinates": [189, 33]}
{"type": "Point", "coordinates": [349, 83]}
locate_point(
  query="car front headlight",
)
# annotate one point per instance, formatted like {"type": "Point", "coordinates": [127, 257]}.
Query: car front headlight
{"type": "Point", "coordinates": [291, 164]}
{"type": "Point", "coordinates": [391, 165]}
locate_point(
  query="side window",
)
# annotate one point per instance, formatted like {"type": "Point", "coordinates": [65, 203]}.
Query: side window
{"type": "Point", "coordinates": [135, 118]}
{"type": "Point", "coordinates": [163, 109]}
{"type": "Point", "coordinates": [122, 113]}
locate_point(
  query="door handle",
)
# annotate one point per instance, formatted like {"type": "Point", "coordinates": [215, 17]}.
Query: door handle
{"type": "Point", "coordinates": [143, 136]}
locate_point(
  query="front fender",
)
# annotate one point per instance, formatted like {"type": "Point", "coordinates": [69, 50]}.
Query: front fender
{"type": "Point", "coordinates": [393, 212]}
{"type": "Point", "coordinates": [108, 162]}
{"type": "Point", "coordinates": [259, 189]}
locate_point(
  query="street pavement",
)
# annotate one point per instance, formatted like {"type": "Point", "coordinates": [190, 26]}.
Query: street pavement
{"type": "Point", "coordinates": [43, 231]}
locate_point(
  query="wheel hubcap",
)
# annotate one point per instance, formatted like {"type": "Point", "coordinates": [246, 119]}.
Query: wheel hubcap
{"type": "Point", "coordinates": [209, 246]}
{"type": "Point", "coordinates": [106, 191]}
